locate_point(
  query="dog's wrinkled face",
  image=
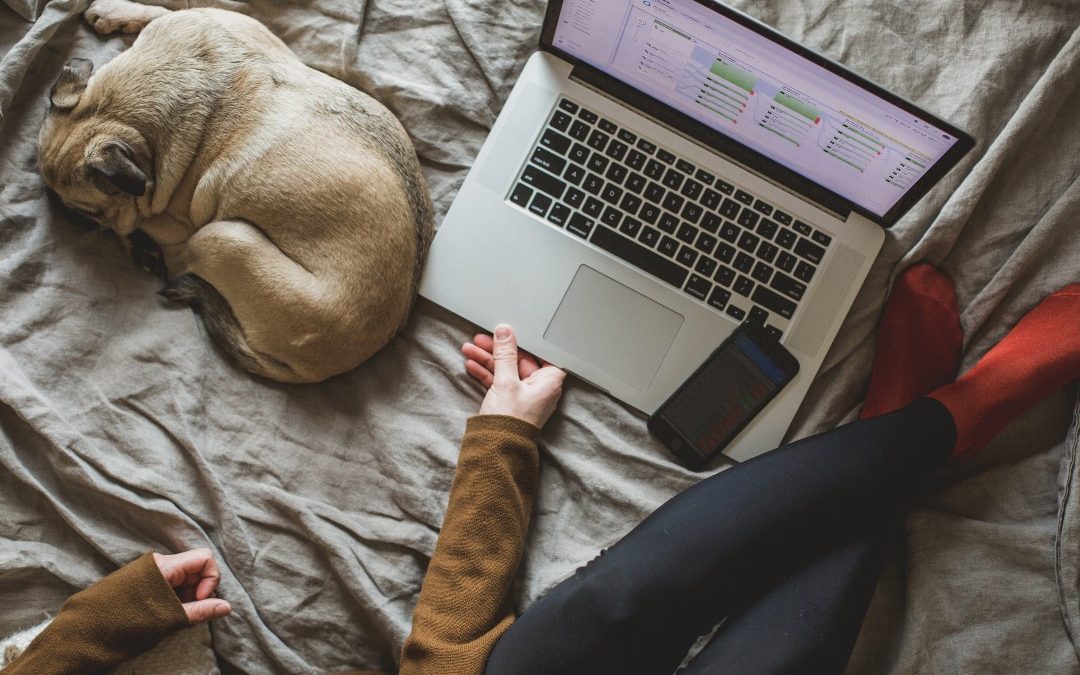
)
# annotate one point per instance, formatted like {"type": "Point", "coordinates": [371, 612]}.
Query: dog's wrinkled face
{"type": "Point", "coordinates": [98, 167]}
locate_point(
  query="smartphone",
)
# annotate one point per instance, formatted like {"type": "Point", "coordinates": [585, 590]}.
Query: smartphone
{"type": "Point", "coordinates": [723, 395]}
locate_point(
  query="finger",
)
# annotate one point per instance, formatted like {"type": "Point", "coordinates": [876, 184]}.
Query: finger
{"type": "Point", "coordinates": [484, 341]}
{"type": "Point", "coordinates": [206, 610]}
{"type": "Point", "coordinates": [482, 357]}
{"type": "Point", "coordinates": [527, 365]}
{"type": "Point", "coordinates": [189, 567]}
{"type": "Point", "coordinates": [480, 373]}
{"type": "Point", "coordinates": [505, 354]}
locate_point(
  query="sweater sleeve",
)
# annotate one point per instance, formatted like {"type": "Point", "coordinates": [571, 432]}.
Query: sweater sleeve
{"type": "Point", "coordinates": [463, 607]}
{"type": "Point", "coordinates": [119, 617]}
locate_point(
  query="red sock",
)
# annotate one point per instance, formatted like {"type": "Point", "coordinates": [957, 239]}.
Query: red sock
{"type": "Point", "coordinates": [918, 343]}
{"type": "Point", "coordinates": [1040, 355]}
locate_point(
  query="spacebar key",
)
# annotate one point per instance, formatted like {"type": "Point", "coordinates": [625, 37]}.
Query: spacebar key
{"type": "Point", "coordinates": [639, 256]}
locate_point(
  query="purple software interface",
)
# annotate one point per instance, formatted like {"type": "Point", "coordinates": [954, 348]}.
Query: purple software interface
{"type": "Point", "coordinates": [758, 92]}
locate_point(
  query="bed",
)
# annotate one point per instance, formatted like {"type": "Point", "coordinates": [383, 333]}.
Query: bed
{"type": "Point", "coordinates": [122, 429]}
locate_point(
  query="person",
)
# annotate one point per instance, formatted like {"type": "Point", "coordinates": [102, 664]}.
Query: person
{"type": "Point", "coordinates": [788, 579]}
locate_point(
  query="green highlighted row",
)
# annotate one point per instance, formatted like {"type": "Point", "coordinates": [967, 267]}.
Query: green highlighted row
{"type": "Point", "coordinates": [869, 138]}
{"type": "Point", "coordinates": [786, 138]}
{"type": "Point", "coordinates": [805, 109]}
{"type": "Point", "coordinates": [742, 79]}
{"type": "Point", "coordinates": [860, 142]}
{"type": "Point", "coordinates": [845, 161]}
{"type": "Point", "coordinates": [716, 110]}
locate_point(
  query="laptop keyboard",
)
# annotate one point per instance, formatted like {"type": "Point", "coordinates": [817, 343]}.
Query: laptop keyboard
{"type": "Point", "coordinates": [717, 242]}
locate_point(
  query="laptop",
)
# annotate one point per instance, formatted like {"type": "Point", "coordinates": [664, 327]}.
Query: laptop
{"type": "Point", "coordinates": [664, 170]}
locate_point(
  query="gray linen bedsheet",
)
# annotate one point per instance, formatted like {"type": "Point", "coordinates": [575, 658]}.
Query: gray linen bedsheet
{"type": "Point", "coordinates": [121, 429]}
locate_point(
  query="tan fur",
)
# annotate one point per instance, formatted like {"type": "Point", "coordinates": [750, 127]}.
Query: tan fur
{"type": "Point", "coordinates": [296, 197]}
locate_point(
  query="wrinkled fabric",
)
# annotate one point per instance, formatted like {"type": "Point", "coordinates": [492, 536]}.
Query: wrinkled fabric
{"type": "Point", "coordinates": [122, 428]}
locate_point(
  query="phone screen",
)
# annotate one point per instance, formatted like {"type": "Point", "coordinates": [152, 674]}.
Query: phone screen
{"type": "Point", "coordinates": [719, 399]}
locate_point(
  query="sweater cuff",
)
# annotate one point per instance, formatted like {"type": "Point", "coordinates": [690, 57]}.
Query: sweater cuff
{"type": "Point", "coordinates": [503, 424]}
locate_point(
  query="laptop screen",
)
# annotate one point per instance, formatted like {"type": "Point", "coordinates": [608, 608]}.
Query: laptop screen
{"type": "Point", "coordinates": [758, 92]}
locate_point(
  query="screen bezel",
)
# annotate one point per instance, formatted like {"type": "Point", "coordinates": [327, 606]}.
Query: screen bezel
{"type": "Point", "coordinates": [677, 441]}
{"type": "Point", "coordinates": [749, 157]}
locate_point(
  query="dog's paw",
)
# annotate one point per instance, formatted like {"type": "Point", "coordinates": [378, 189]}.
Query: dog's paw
{"type": "Point", "coordinates": [111, 16]}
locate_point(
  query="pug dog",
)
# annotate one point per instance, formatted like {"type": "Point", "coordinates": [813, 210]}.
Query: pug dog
{"type": "Point", "coordinates": [290, 207]}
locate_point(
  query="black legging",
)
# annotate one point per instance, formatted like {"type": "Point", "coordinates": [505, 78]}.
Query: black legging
{"type": "Point", "coordinates": [784, 546]}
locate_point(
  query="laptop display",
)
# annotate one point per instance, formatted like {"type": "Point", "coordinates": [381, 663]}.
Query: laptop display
{"type": "Point", "coordinates": [824, 127]}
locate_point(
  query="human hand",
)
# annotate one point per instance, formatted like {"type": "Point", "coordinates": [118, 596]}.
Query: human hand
{"type": "Point", "coordinates": [194, 574]}
{"type": "Point", "coordinates": [517, 384]}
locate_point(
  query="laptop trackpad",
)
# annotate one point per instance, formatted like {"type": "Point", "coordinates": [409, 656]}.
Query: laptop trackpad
{"type": "Point", "coordinates": [613, 327]}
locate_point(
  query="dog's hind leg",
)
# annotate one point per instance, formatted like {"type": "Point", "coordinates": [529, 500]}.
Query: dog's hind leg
{"type": "Point", "coordinates": [110, 16]}
{"type": "Point", "coordinates": [262, 308]}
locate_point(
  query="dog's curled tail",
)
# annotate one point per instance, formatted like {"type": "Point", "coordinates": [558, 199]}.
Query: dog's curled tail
{"type": "Point", "coordinates": [224, 329]}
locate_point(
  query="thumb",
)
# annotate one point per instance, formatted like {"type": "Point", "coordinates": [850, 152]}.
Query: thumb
{"type": "Point", "coordinates": [206, 610]}
{"type": "Point", "coordinates": [505, 354]}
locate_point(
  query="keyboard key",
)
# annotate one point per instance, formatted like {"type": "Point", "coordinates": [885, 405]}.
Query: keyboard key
{"type": "Point", "coordinates": [665, 156]}
{"type": "Point", "coordinates": [627, 136]}
{"type": "Point", "coordinates": [556, 141]}
{"type": "Point", "coordinates": [725, 276]}
{"type": "Point", "coordinates": [598, 140]}
{"type": "Point", "coordinates": [691, 212]}
{"type": "Point", "coordinates": [545, 159]}
{"type": "Point", "coordinates": [743, 285]}
{"type": "Point", "coordinates": [728, 232]}
{"type": "Point", "coordinates": [705, 242]}
{"type": "Point", "coordinates": [758, 315]}
{"type": "Point", "coordinates": [743, 263]}
{"type": "Point", "coordinates": [719, 298]}
{"type": "Point", "coordinates": [804, 272]}
{"type": "Point", "coordinates": [767, 228]}
{"type": "Point", "coordinates": [521, 194]}
{"type": "Point", "coordinates": [544, 182]}
{"type": "Point", "coordinates": [774, 331]}
{"type": "Point", "coordinates": [616, 172]}
{"type": "Point", "coordinates": [580, 225]}
{"type": "Point", "coordinates": [744, 197]}
{"type": "Point", "coordinates": [593, 184]}
{"type": "Point", "coordinates": [704, 176]}
{"type": "Point", "coordinates": [763, 207]}
{"type": "Point", "coordinates": [809, 250]}
{"type": "Point", "coordinates": [691, 188]}
{"type": "Point", "coordinates": [685, 166]}
{"type": "Point", "coordinates": [568, 105]}
{"type": "Point", "coordinates": [574, 197]}
{"type": "Point", "coordinates": [705, 266]}
{"type": "Point", "coordinates": [579, 153]}
{"type": "Point", "coordinates": [782, 218]}
{"type": "Point", "coordinates": [574, 174]}
{"type": "Point", "coordinates": [588, 115]}
{"type": "Point", "coordinates": [639, 256]}
{"type": "Point", "coordinates": [786, 262]}
{"type": "Point", "coordinates": [736, 313]}
{"type": "Point", "coordinates": [616, 150]}
{"type": "Point", "coordinates": [635, 160]}
{"type": "Point", "coordinates": [748, 218]}
{"type": "Point", "coordinates": [762, 272]}
{"type": "Point", "coordinates": [724, 253]}
{"type": "Point", "coordinates": [686, 256]}
{"type": "Point", "coordinates": [673, 202]}
{"type": "Point", "coordinates": [649, 236]}
{"type": "Point", "coordinates": [654, 169]}
{"type": "Point", "coordinates": [786, 238]}
{"type": "Point", "coordinates": [607, 125]}
{"type": "Point", "coordinates": [748, 241]}
{"type": "Point", "coordinates": [597, 163]}
{"type": "Point", "coordinates": [698, 287]}
{"type": "Point", "coordinates": [579, 130]}
{"type": "Point", "coordinates": [559, 214]}
{"type": "Point", "coordinates": [611, 193]}
{"type": "Point", "coordinates": [773, 302]}
{"type": "Point", "coordinates": [687, 233]}
{"type": "Point", "coordinates": [649, 213]}
{"type": "Point", "coordinates": [767, 251]}
{"type": "Point", "coordinates": [724, 186]}
{"type": "Point", "coordinates": [630, 226]}
{"type": "Point", "coordinates": [593, 207]}
{"type": "Point", "coordinates": [611, 216]}
{"type": "Point", "coordinates": [630, 204]}
{"type": "Point", "coordinates": [711, 198]}
{"type": "Point", "coordinates": [802, 228]}
{"type": "Point", "coordinates": [785, 285]}
{"type": "Point", "coordinates": [645, 146]}
{"type": "Point", "coordinates": [673, 179]}
{"type": "Point", "coordinates": [560, 120]}
{"type": "Point", "coordinates": [729, 209]}
{"type": "Point", "coordinates": [655, 192]}
{"type": "Point", "coordinates": [635, 183]}
{"type": "Point", "coordinates": [711, 222]}
{"type": "Point", "coordinates": [821, 238]}
{"type": "Point", "coordinates": [668, 246]}
{"type": "Point", "coordinates": [668, 223]}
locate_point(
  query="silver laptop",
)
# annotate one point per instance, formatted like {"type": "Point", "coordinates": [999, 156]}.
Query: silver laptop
{"type": "Point", "coordinates": [666, 169]}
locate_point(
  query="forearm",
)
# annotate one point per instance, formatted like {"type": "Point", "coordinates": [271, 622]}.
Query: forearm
{"type": "Point", "coordinates": [117, 618]}
{"type": "Point", "coordinates": [463, 606]}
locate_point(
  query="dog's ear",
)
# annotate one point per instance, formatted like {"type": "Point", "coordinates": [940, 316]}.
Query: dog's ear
{"type": "Point", "coordinates": [112, 169]}
{"type": "Point", "coordinates": [65, 94]}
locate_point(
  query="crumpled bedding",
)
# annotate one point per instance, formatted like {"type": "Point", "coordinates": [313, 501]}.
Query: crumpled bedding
{"type": "Point", "coordinates": [122, 429]}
